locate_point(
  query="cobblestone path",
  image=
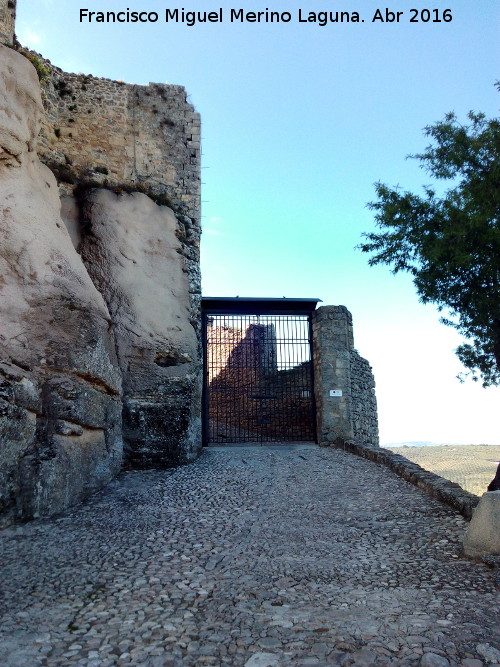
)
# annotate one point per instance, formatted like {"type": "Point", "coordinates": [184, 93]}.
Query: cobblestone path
{"type": "Point", "coordinates": [258, 557]}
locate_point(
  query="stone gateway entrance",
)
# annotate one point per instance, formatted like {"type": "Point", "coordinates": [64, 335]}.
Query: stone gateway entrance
{"type": "Point", "coordinates": [258, 373]}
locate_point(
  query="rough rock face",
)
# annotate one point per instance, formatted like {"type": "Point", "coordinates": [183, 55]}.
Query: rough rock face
{"type": "Point", "coordinates": [132, 250]}
{"type": "Point", "coordinates": [60, 408]}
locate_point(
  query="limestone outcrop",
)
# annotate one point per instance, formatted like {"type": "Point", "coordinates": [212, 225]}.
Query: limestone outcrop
{"type": "Point", "coordinates": [132, 247]}
{"type": "Point", "coordinates": [60, 384]}
{"type": "Point", "coordinates": [99, 281]}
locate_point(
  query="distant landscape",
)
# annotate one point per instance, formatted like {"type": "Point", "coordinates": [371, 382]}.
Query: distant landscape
{"type": "Point", "coordinates": [471, 466]}
{"type": "Point", "coordinates": [429, 443]}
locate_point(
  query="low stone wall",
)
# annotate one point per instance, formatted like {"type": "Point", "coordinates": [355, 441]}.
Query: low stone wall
{"type": "Point", "coordinates": [442, 489]}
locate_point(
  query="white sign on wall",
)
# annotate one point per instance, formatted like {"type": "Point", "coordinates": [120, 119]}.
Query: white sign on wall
{"type": "Point", "coordinates": [335, 392]}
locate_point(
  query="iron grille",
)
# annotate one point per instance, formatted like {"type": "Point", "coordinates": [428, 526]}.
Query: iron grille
{"type": "Point", "coordinates": [258, 379]}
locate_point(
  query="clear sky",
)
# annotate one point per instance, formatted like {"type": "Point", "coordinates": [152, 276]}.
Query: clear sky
{"type": "Point", "coordinates": [298, 122]}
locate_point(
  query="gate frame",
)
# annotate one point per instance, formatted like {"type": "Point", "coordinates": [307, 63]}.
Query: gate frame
{"type": "Point", "coordinates": [222, 305]}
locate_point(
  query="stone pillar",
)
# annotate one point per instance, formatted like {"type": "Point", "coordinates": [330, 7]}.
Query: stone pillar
{"type": "Point", "coordinates": [7, 20]}
{"type": "Point", "coordinates": [332, 345]}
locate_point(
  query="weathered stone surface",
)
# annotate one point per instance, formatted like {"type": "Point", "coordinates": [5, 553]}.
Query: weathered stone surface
{"type": "Point", "coordinates": [363, 400]}
{"type": "Point", "coordinates": [364, 657]}
{"type": "Point", "coordinates": [58, 353]}
{"type": "Point", "coordinates": [20, 108]}
{"type": "Point", "coordinates": [263, 660]}
{"type": "Point", "coordinates": [483, 534]}
{"type": "Point", "coordinates": [70, 213]}
{"type": "Point", "coordinates": [133, 252]}
{"type": "Point", "coordinates": [332, 342]}
{"type": "Point", "coordinates": [60, 380]}
{"type": "Point", "coordinates": [7, 19]}
{"type": "Point", "coordinates": [121, 135]}
{"type": "Point", "coordinates": [434, 660]}
{"type": "Point", "coordinates": [489, 653]}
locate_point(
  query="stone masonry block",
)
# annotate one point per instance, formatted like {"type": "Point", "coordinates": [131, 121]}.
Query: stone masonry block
{"type": "Point", "coordinates": [483, 534]}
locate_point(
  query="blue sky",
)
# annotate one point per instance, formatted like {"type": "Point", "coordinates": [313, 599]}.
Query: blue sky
{"type": "Point", "coordinates": [298, 122]}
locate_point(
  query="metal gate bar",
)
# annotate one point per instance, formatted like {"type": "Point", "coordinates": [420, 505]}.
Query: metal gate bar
{"type": "Point", "coordinates": [258, 378]}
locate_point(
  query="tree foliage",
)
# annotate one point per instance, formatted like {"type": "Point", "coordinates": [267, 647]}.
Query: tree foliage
{"type": "Point", "coordinates": [450, 244]}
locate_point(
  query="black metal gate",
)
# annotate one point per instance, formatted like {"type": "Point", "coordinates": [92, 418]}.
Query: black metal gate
{"type": "Point", "coordinates": [258, 371]}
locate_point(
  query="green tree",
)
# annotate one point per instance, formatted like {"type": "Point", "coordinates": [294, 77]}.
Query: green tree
{"type": "Point", "coordinates": [450, 244]}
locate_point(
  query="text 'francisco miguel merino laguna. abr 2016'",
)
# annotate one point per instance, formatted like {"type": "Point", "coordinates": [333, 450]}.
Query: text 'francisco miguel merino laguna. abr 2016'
{"type": "Point", "coordinates": [321, 18]}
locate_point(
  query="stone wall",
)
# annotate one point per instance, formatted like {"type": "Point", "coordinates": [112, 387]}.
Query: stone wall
{"type": "Point", "coordinates": [239, 361]}
{"type": "Point", "coordinates": [121, 136]}
{"type": "Point", "coordinates": [351, 413]}
{"type": "Point", "coordinates": [106, 140]}
{"type": "Point", "coordinates": [7, 21]}
{"type": "Point", "coordinates": [363, 400]}
{"type": "Point", "coordinates": [221, 341]}
{"type": "Point", "coordinates": [98, 133]}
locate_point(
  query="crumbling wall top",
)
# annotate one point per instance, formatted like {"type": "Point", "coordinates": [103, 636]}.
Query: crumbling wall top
{"type": "Point", "coordinates": [129, 137]}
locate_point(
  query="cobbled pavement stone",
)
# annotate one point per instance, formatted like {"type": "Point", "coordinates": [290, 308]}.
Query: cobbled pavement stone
{"type": "Point", "coordinates": [294, 555]}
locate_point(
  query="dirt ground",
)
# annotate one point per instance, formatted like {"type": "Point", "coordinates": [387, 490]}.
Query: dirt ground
{"type": "Point", "coordinates": [471, 466]}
